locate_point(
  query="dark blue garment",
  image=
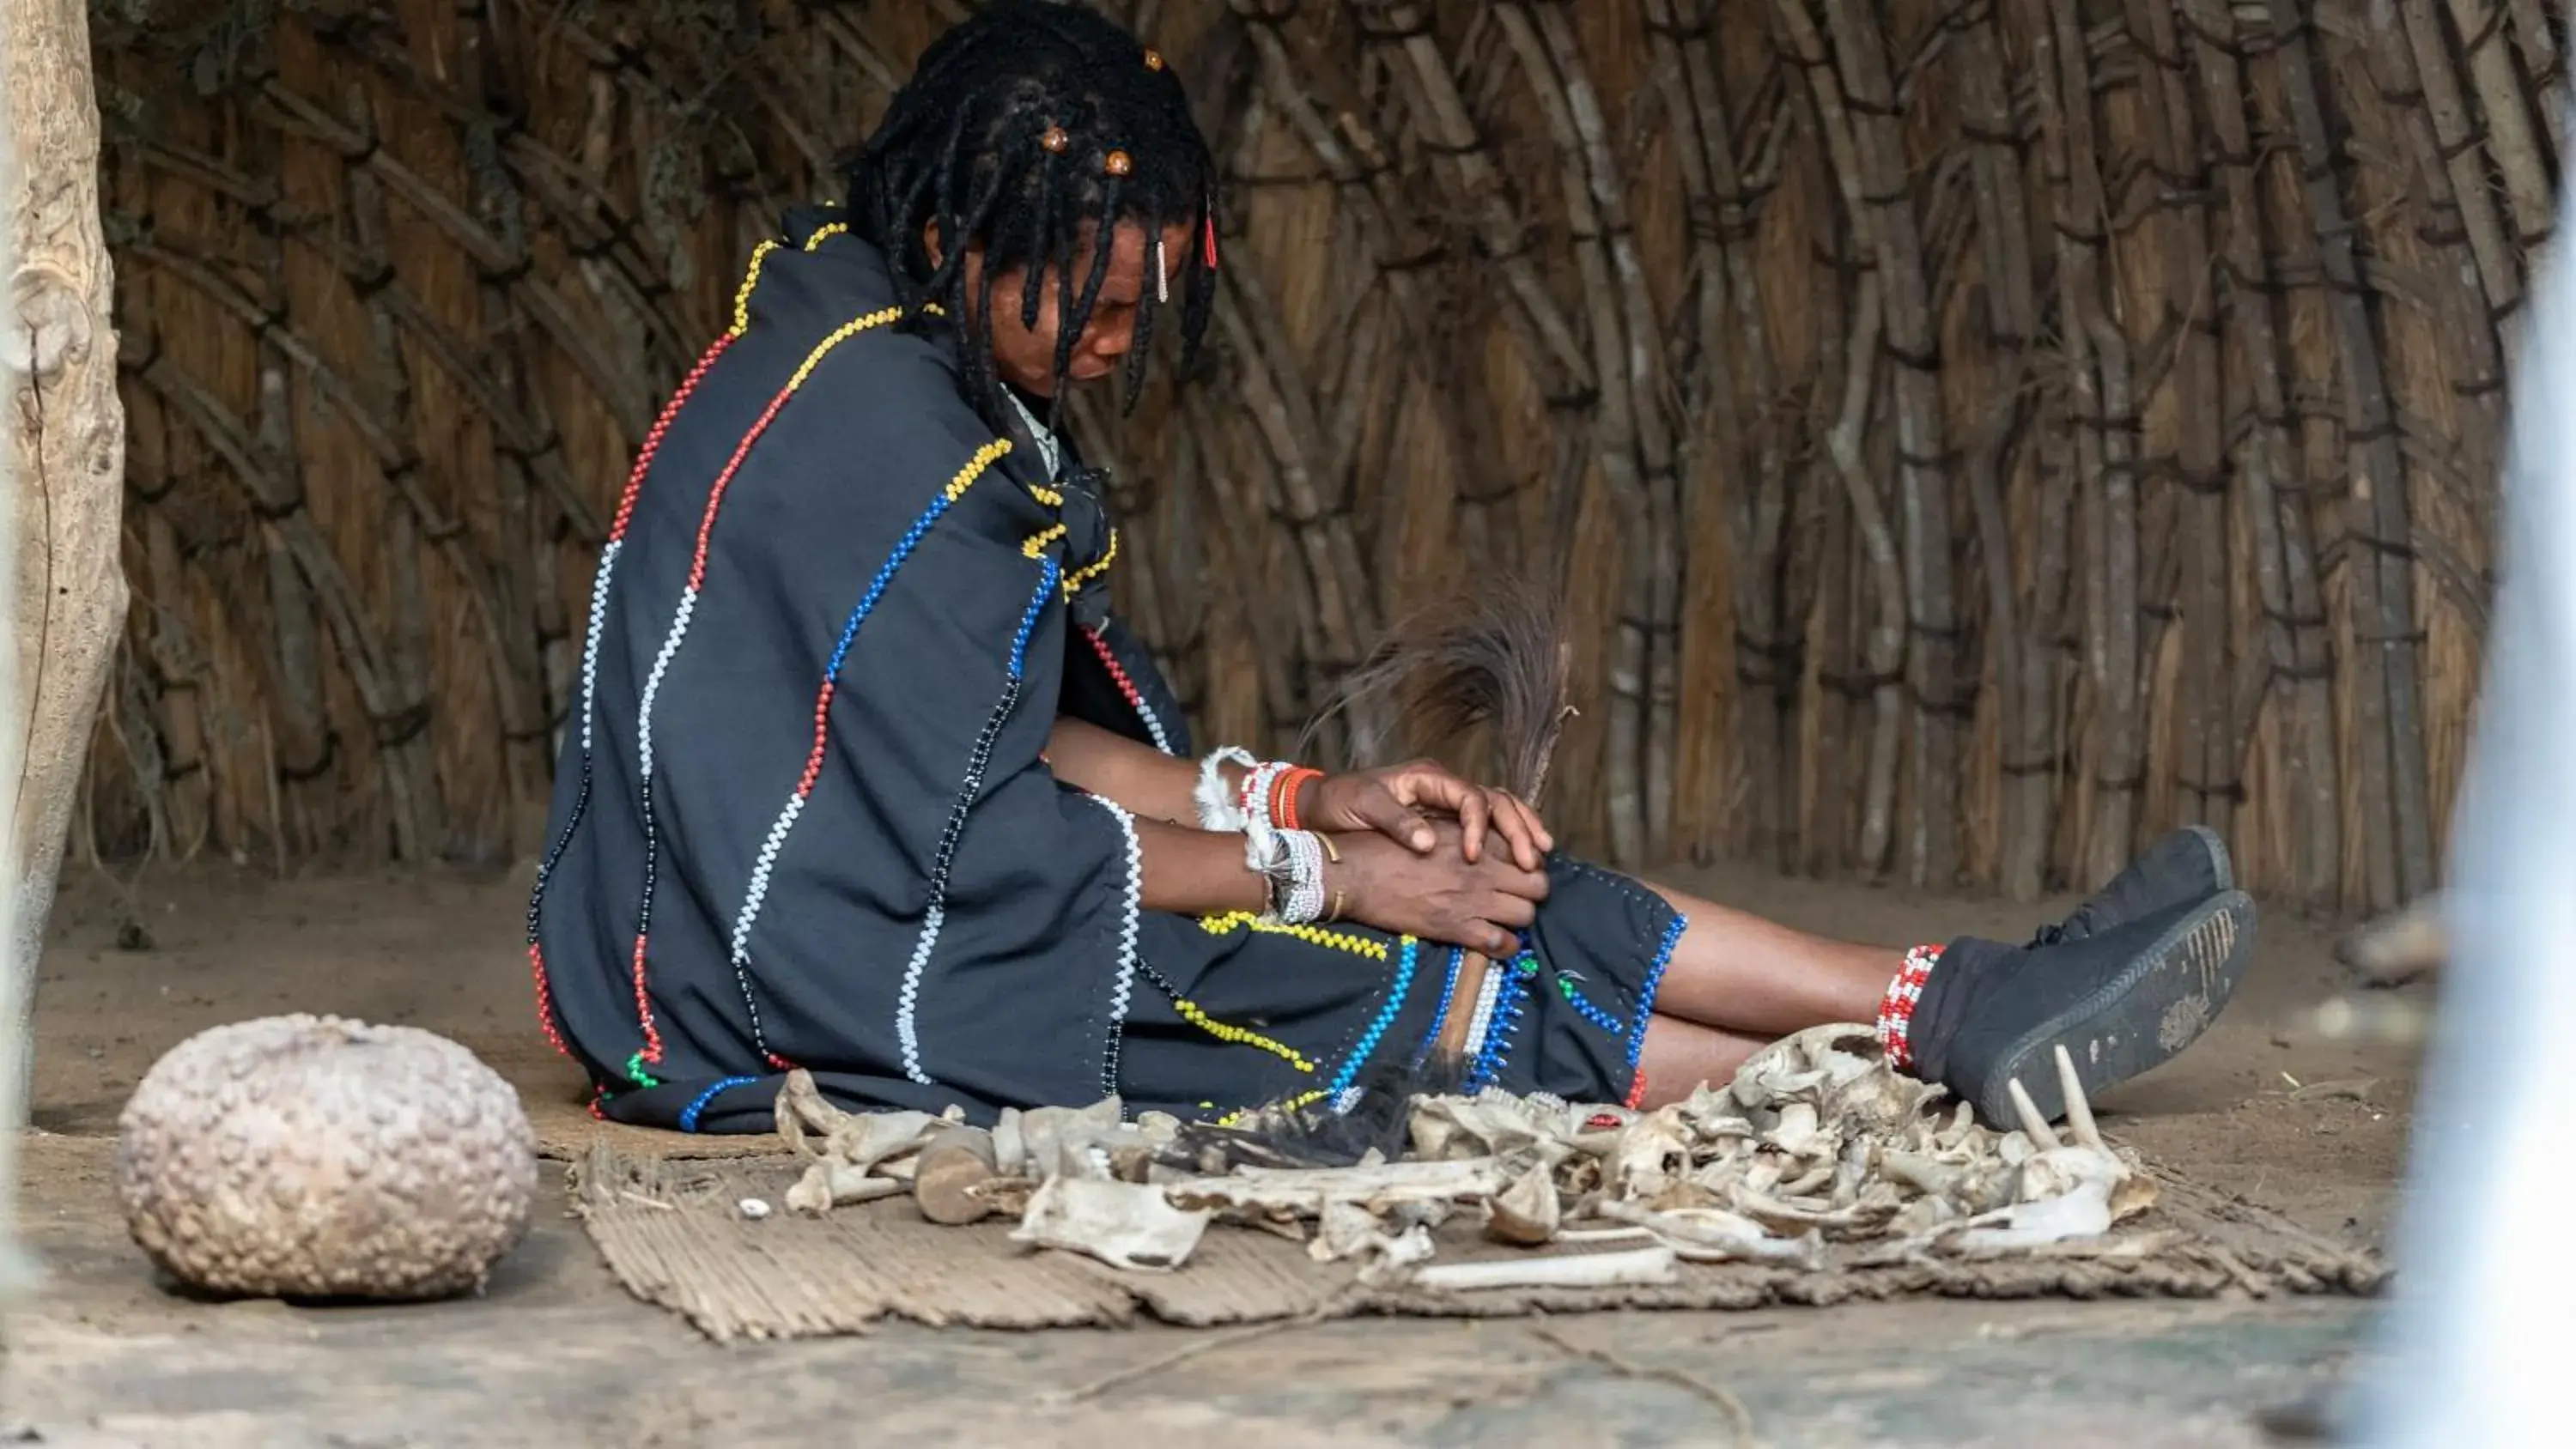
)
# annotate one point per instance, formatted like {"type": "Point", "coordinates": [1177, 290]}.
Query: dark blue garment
{"type": "Point", "coordinates": [846, 853]}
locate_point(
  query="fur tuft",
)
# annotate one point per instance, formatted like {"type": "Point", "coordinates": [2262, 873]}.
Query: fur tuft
{"type": "Point", "coordinates": [1279, 1135]}
{"type": "Point", "coordinates": [1495, 654]}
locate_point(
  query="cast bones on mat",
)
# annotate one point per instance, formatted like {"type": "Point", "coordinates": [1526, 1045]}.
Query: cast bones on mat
{"type": "Point", "coordinates": [1815, 1141]}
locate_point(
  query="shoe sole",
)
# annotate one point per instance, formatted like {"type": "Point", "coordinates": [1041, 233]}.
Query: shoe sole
{"type": "Point", "coordinates": [2139, 1020]}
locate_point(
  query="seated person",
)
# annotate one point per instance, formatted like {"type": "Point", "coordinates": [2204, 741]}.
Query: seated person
{"type": "Point", "coordinates": [865, 779]}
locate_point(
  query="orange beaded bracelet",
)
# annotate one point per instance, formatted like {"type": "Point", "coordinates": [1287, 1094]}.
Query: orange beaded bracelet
{"type": "Point", "coordinates": [1283, 794]}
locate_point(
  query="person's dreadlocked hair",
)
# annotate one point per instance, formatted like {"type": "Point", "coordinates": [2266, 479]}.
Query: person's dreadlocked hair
{"type": "Point", "coordinates": [965, 147]}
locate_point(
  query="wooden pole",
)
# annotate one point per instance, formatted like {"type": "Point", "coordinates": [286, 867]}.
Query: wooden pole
{"type": "Point", "coordinates": [62, 465]}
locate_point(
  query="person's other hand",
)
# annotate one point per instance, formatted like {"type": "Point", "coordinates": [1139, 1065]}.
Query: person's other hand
{"type": "Point", "coordinates": [1397, 802]}
{"type": "Point", "coordinates": [1438, 895]}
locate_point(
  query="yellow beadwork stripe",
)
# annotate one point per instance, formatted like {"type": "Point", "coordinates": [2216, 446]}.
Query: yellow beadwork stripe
{"type": "Point", "coordinates": [1240, 1036]}
{"type": "Point", "coordinates": [1074, 581]}
{"type": "Point", "coordinates": [1038, 541]}
{"type": "Point", "coordinates": [1046, 495]}
{"type": "Point", "coordinates": [1297, 1103]}
{"type": "Point", "coordinates": [760, 254]}
{"type": "Point", "coordinates": [835, 338]}
{"type": "Point", "coordinates": [985, 457]}
{"type": "Point", "coordinates": [1313, 935]}
{"type": "Point", "coordinates": [742, 294]}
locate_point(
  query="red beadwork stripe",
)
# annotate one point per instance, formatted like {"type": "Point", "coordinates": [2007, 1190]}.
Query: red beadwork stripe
{"type": "Point", "coordinates": [724, 480]}
{"type": "Point", "coordinates": [661, 425]}
{"type": "Point", "coordinates": [616, 531]}
{"type": "Point", "coordinates": [1117, 671]}
{"type": "Point", "coordinates": [644, 1007]}
{"type": "Point", "coordinates": [1636, 1092]}
{"type": "Point", "coordinates": [696, 584]}
{"type": "Point", "coordinates": [545, 999]}
{"type": "Point", "coordinates": [822, 735]}
{"type": "Point", "coordinates": [1896, 1008]}
{"type": "Point", "coordinates": [1118, 676]}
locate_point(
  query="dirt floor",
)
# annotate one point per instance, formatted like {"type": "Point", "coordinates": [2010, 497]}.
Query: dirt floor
{"type": "Point", "coordinates": [557, 1354]}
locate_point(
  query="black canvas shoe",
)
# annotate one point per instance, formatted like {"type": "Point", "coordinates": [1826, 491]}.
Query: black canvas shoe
{"type": "Point", "coordinates": [2123, 1000]}
{"type": "Point", "coordinates": [2183, 867]}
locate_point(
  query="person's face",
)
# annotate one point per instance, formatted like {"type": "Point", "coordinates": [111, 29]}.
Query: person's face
{"type": "Point", "coordinates": [1025, 356]}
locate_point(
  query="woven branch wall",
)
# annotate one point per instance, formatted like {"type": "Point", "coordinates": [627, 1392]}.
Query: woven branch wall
{"type": "Point", "coordinates": [1971, 434]}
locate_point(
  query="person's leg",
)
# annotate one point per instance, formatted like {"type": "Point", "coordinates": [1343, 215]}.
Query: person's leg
{"type": "Point", "coordinates": [1680, 1055]}
{"type": "Point", "coordinates": [1632, 992]}
{"type": "Point", "coordinates": [2128, 981]}
{"type": "Point", "coordinates": [1758, 980]}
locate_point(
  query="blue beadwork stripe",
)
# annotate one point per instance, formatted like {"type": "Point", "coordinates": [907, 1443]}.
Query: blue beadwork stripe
{"type": "Point", "coordinates": [1367, 1045]}
{"type": "Point", "coordinates": [1584, 1008]}
{"type": "Point", "coordinates": [689, 1114]}
{"type": "Point", "coordinates": [885, 575]}
{"type": "Point", "coordinates": [1048, 573]}
{"type": "Point", "coordinates": [1440, 1014]}
{"type": "Point", "coordinates": [1508, 999]}
{"type": "Point", "coordinates": [758, 892]}
{"type": "Point", "coordinates": [1654, 981]}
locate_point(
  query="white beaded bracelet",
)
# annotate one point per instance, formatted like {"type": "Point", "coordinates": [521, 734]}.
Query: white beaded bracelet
{"type": "Point", "coordinates": [1291, 862]}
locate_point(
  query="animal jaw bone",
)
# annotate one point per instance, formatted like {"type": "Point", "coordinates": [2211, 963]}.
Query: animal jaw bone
{"type": "Point", "coordinates": [1124, 1224]}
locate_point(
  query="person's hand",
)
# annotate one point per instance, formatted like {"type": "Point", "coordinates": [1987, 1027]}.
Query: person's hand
{"type": "Point", "coordinates": [1439, 894]}
{"type": "Point", "coordinates": [1393, 801]}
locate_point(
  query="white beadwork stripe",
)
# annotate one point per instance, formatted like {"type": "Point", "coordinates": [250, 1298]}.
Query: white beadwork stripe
{"type": "Point", "coordinates": [1153, 726]}
{"type": "Point", "coordinates": [1486, 994]}
{"type": "Point", "coordinates": [653, 682]}
{"type": "Point", "coordinates": [761, 869]}
{"type": "Point", "coordinates": [906, 1029]}
{"type": "Point", "coordinates": [590, 636]}
{"type": "Point", "coordinates": [1125, 985]}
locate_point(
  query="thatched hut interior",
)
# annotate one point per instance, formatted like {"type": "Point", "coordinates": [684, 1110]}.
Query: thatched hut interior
{"type": "Point", "coordinates": [1967, 437]}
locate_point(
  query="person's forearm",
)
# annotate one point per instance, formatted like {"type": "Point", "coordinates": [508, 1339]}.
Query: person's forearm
{"type": "Point", "coordinates": [1151, 784]}
{"type": "Point", "coordinates": [1193, 872]}
{"type": "Point", "coordinates": [1187, 871]}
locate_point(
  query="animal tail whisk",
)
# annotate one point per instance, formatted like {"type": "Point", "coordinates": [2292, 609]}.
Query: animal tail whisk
{"type": "Point", "coordinates": [1495, 654]}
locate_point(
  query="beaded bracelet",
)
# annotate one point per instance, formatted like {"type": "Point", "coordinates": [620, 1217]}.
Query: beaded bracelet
{"type": "Point", "coordinates": [1290, 860]}
{"type": "Point", "coordinates": [1283, 794]}
{"type": "Point", "coordinates": [1259, 830]}
{"type": "Point", "coordinates": [1220, 808]}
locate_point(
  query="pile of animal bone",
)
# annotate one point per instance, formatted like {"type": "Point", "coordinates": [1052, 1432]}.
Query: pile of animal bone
{"type": "Point", "coordinates": [1817, 1140]}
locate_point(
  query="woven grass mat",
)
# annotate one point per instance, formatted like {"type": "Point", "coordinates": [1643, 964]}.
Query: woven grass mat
{"type": "Point", "coordinates": [567, 1132]}
{"type": "Point", "coordinates": [673, 1233]}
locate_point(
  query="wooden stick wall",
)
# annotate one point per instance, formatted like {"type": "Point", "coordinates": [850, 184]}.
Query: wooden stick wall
{"type": "Point", "coordinates": [1972, 435]}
